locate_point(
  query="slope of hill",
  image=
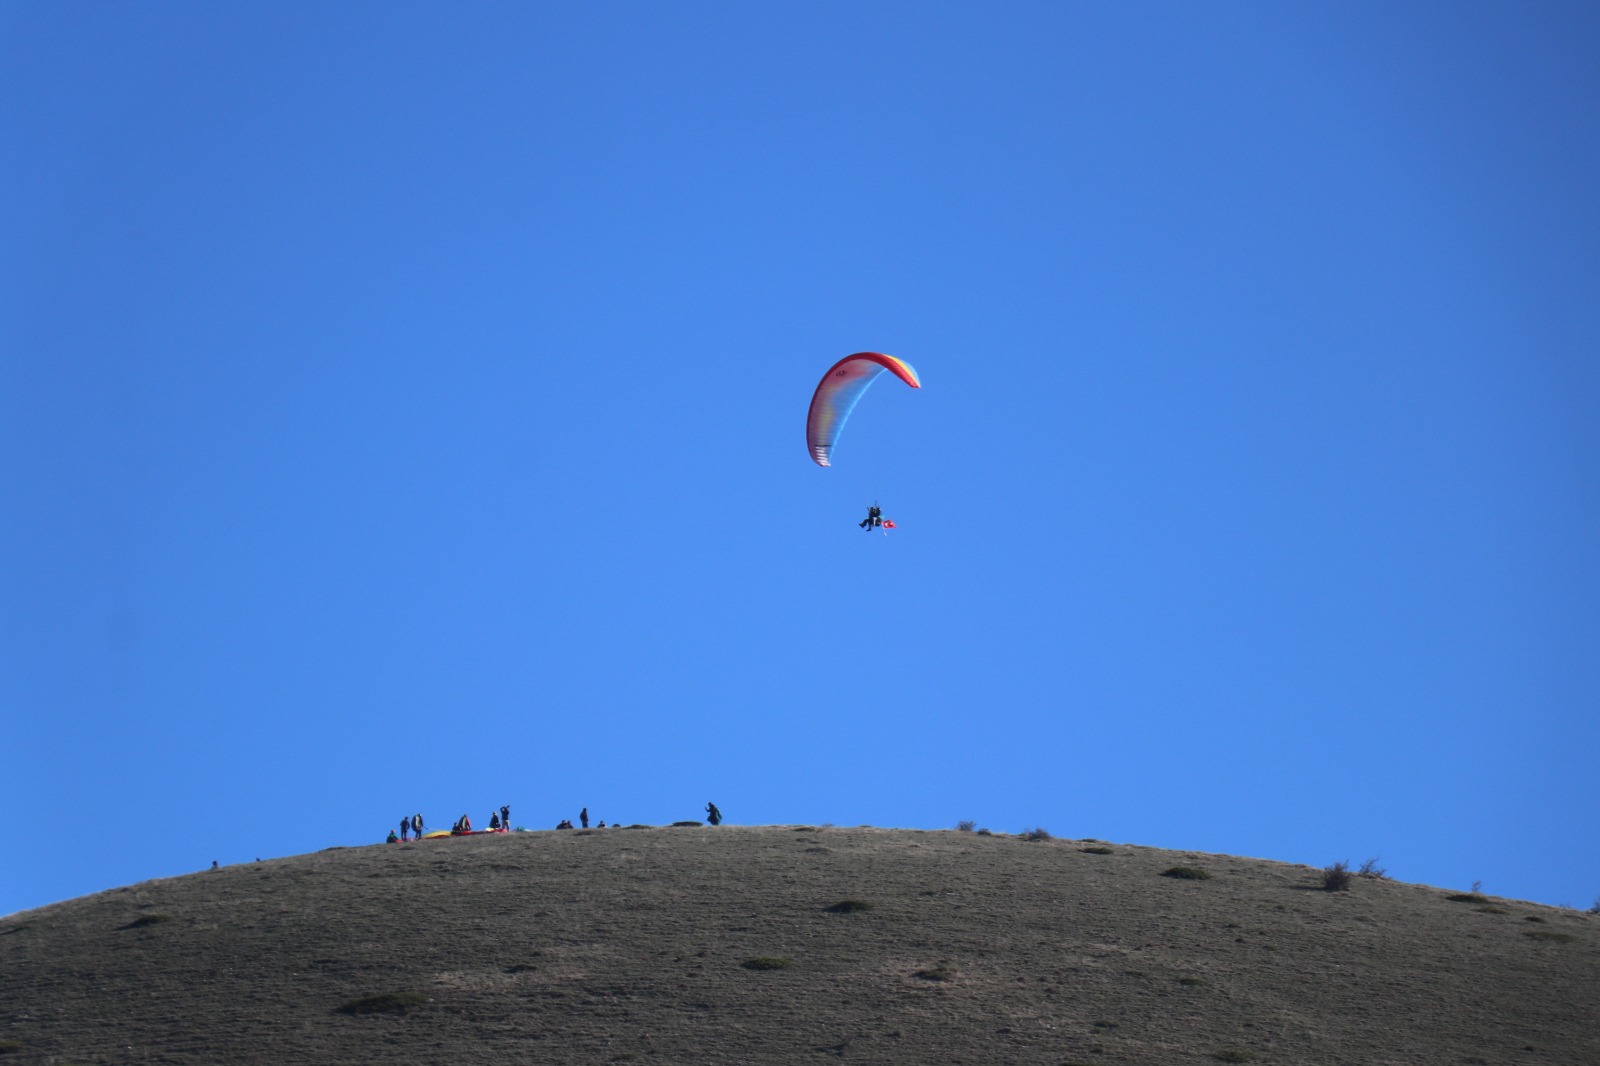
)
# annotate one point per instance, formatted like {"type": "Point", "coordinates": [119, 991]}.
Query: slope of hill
{"type": "Point", "coordinates": [791, 944]}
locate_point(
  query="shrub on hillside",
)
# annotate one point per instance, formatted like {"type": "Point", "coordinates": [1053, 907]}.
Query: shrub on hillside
{"type": "Point", "coordinates": [1186, 873]}
{"type": "Point", "coordinates": [767, 963]}
{"type": "Point", "coordinates": [386, 1003]}
{"type": "Point", "coordinates": [1036, 834]}
{"type": "Point", "coordinates": [1098, 849]}
{"type": "Point", "coordinates": [146, 920]}
{"type": "Point", "coordinates": [1336, 878]}
{"type": "Point", "coordinates": [1371, 869]}
{"type": "Point", "coordinates": [966, 826]}
{"type": "Point", "coordinates": [850, 906]}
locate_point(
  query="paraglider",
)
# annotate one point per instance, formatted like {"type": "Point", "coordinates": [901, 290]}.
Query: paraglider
{"type": "Point", "coordinates": [837, 394]}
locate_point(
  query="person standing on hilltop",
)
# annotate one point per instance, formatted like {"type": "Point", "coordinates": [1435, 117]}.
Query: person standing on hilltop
{"type": "Point", "coordinates": [505, 817]}
{"type": "Point", "coordinates": [583, 816]}
{"type": "Point", "coordinates": [405, 828]}
{"type": "Point", "coordinates": [713, 815]}
{"type": "Point", "coordinates": [416, 826]}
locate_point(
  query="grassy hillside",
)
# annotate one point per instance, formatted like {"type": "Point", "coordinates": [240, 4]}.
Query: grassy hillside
{"type": "Point", "coordinates": [791, 944]}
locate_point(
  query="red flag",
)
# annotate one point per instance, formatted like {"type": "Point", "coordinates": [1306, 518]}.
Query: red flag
{"type": "Point", "coordinates": [887, 524]}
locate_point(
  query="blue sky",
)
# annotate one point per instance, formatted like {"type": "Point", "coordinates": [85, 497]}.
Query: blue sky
{"type": "Point", "coordinates": [402, 409]}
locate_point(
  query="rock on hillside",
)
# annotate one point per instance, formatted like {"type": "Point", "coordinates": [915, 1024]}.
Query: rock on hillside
{"type": "Point", "coordinates": [791, 944]}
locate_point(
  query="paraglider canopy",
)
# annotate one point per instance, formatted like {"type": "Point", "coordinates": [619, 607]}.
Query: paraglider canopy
{"type": "Point", "coordinates": [836, 396]}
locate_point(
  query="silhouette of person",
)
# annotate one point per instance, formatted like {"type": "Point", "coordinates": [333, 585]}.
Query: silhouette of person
{"type": "Point", "coordinates": [874, 518]}
{"type": "Point", "coordinates": [416, 825]}
{"type": "Point", "coordinates": [494, 820]}
{"type": "Point", "coordinates": [713, 815]}
{"type": "Point", "coordinates": [405, 828]}
{"type": "Point", "coordinates": [505, 817]}
{"type": "Point", "coordinates": [583, 816]}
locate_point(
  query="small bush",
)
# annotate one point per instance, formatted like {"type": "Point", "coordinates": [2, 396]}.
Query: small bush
{"type": "Point", "coordinates": [1467, 897]}
{"type": "Point", "coordinates": [984, 833]}
{"type": "Point", "coordinates": [1372, 870]}
{"type": "Point", "coordinates": [1186, 873]}
{"type": "Point", "coordinates": [1336, 878]}
{"type": "Point", "coordinates": [1098, 849]}
{"type": "Point", "coordinates": [387, 1003]}
{"type": "Point", "coordinates": [1036, 834]}
{"type": "Point", "coordinates": [1191, 982]}
{"type": "Point", "coordinates": [767, 963]}
{"type": "Point", "coordinates": [850, 906]}
{"type": "Point", "coordinates": [942, 972]}
{"type": "Point", "coordinates": [966, 827]}
{"type": "Point", "coordinates": [1596, 908]}
{"type": "Point", "coordinates": [146, 920]}
{"type": "Point", "coordinates": [685, 825]}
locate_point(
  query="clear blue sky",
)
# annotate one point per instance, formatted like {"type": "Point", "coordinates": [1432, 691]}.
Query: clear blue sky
{"type": "Point", "coordinates": [402, 408]}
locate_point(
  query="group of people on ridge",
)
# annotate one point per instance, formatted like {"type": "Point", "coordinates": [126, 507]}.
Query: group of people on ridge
{"type": "Point", "coordinates": [412, 827]}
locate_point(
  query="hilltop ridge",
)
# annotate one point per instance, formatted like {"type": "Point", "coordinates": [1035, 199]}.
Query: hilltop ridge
{"type": "Point", "coordinates": [792, 944]}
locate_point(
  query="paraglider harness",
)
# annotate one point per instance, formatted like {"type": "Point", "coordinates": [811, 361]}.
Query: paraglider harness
{"type": "Point", "coordinates": [875, 520]}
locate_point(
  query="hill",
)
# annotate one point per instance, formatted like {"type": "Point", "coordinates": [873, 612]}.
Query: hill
{"type": "Point", "coordinates": [791, 944]}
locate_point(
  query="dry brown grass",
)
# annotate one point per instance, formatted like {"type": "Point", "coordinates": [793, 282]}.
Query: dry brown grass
{"type": "Point", "coordinates": [634, 946]}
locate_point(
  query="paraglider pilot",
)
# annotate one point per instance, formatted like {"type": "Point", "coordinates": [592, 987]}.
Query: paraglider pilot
{"type": "Point", "coordinates": [874, 518]}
